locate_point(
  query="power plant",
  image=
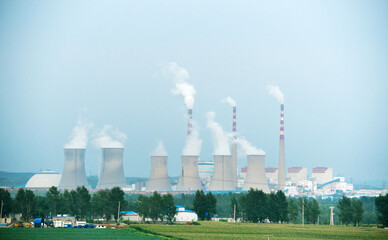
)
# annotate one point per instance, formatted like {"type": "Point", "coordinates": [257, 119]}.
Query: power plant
{"type": "Point", "coordinates": [73, 174]}
{"type": "Point", "coordinates": [189, 179]}
{"type": "Point", "coordinates": [112, 171]}
{"type": "Point", "coordinates": [223, 174]}
{"type": "Point", "coordinates": [158, 180]}
{"type": "Point", "coordinates": [255, 177]}
{"type": "Point", "coordinates": [282, 163]}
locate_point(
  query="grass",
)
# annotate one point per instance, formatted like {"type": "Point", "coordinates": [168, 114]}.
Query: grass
{"type": "Point", "coordinates": [225, 231]}
{"type": "Point", "coordinates": [67, 234]}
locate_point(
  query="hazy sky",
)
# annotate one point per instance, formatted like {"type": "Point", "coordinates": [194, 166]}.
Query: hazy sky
{"type": "Point", "coordinates": [103, 59]}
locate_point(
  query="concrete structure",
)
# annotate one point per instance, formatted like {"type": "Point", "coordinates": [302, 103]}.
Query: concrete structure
{"type": "Point", "coordinates": [184, 215]}
{"type": "Point", "coordinates": [234, 149]}
{"type": "Point", "coordinates": [73, 174]}
{"type": "Point", "coordinates": [282, 163]}
{"type": "Point", "coordinates": [296, 175]}
{"type": "Point", "coordinates": [222, 179]}
{"type": "Point", "coordinates": [112, 172]}
{"type": "Point", "coordinates": [63, 220]}
{"type": "Point", "coordinates": [256, 174]}
{"type": "Point", "coordinates": [130, 216]}
{"type": "Point", "coordinates": [205, 170]}
{"type": "Point", "coordinates": [189, 179]}
{"type": "Point", "coordinates": [272, 175]}
{"type": "Point", "coordinates": [44, 179]}
{"type": "Point", "coordinates": [158, 180]}
{"type": "Point", "coordinates": [322, 174]}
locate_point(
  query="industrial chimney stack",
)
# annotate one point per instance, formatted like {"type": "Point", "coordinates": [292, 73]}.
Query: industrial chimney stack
{"type": "Point", "coordinates": [282, 164]}
{"type": "Point", "coordinates": [255, 177]}
{"type": "Point", "coordinates": [112, 172]}
{"type": "Point", "coordinates": [73, 174]}
{"type": "Point", "coordinates": [234, 150]}
{"type": "Point", "coordinates": [158, 180]}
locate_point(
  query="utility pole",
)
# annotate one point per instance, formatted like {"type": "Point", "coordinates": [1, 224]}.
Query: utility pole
{"type": "Point", "coordinates": [234, 213]}
{"type": "Point", "coordinates": [118, 213]}
{"type": "Point", "coordinates": [1, 214]}
{"type": "Point", "coordinates": [302, 209]}
{"type": "Point", "coordinates": [331, 216]}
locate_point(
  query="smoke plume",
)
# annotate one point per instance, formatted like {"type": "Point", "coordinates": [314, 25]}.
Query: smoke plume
{"type": "Point", "coordinates": [193, 142]}
{"type": "Point", "coordinates": [180, 75]}
{"type": "Point", "coordinates": [109, 138]}
{"type": "Point", "coordinates": [229, 101]}
{"type": "Point", "coordinates": [248, 148]}
{"type": "Point", "coordinates": [275, 92]}
{"type": "Point", "coordinates": [79, 134]}
{"type": "Point", "coordinates": [220, 138]}
{"type": "Point", "coordinates": [159, 150]}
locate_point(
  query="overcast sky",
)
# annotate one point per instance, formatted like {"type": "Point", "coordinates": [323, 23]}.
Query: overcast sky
{"type": "Point", "coordinates": [103, 60]}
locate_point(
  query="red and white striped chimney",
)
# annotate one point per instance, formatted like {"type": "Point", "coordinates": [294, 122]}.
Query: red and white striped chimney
{"type": "Point", "coordinates": [282, 121]}
{"type": "Point", "coordinates": [282, 163]}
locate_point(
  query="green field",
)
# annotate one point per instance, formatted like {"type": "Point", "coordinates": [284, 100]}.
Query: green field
{"type": "Point", "coordinates": [225, 231]}
{"type": "Point", "coordinates": [69, 234]}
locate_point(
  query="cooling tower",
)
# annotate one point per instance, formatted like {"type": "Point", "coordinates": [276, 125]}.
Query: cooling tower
{"type": "Point", "coordinates": [255, 177]}
{"type": "Point", "coordinates": [223, 174]}
{"type": "Point", "coordinates": [189, 180]}
{"type": "Point", "coordinates": [282, 163]}
{"type": "Point", "coordinates": [112, 171]}
{"type": "Point", "coordinates": [158, 180]}
{"type": "Point", "coordinates": [189, 119]}
{"type": "Point", "coordinates": [234, 150]}
{"type": "Point", "coordinates": [73, 174]}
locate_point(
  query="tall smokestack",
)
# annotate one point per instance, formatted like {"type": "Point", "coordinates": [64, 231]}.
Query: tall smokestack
{"type": "Point", "coordinates": [73, 174]}
{"type": "Point", "coordinates": [234, 149]}
{"type": "Point", "coordinates": [222, 175]}
{"type": "Point", "coordinates": [282, 164]}
{"type": "Point", "coordinates": [158, 180]}
{"type": "Point", "coordinates": [256, 174]}
{"type": "Point", "coordinates": [112, 172]}
{"type": "Point", "coordinates": [189, 180]}
{"type": "Point", "coordinates": [189, 120]}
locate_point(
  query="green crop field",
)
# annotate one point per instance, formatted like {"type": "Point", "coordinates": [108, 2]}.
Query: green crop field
{"type": "Point", "coordinates": [225, 231]}
{"type": "Point", "coordinates": [69, 234]}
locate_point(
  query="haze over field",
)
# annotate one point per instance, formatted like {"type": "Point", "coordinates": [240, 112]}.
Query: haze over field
{"type": "Point", "coordinates": [133, 67]}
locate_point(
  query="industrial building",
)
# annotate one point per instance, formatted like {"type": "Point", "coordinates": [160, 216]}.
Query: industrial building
{"type": "Point", "coordinates": [271, 174]}
{"type": "Point", "coordinates": [322, 175]}
{"type": "Point", "coordinates": [45, 179]}
{"type": "Point", "coordinates": [205, 170]}
{"type": "Point", "coordinates": [297, 175]}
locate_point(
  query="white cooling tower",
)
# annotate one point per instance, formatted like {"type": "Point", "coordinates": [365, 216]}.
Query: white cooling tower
{"type": "Point", "coordinates": [256, 174]}
{"type": "Point", "coordinates": [112, 171]}
{"type": "Point", "coordinates": [73, 174]}
{"type": "Point", "coordinates": [222, 179]}
{"type": "Point", "coordinates": [189, 180]}
{"type": "Point", "coordinates": [158, 180]}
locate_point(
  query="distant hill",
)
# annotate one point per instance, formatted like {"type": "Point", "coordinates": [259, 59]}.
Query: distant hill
{"type": "Point", "coordinates": [11, 179]}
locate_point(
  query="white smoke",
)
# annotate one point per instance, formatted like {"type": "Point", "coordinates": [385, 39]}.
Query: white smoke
{"type": "Point", "coordinates": [109, 138]}
{"type": "Point", "coordinates": [248, 148]}
{"type": "Point", "coordinates": [79, 134]}
{"type": "Point", "coordinates": [220, 138]}
{"type": "Point", "coordinates": [180, 75]}
{"type": "Point", "coordinates": [275, 92]}
{"type": "Point", "coordinates": [159, 150]}
{"type": "Point", "coordinates": [193, 142]}
{"type": "Point", "coordinates": [229, 101]}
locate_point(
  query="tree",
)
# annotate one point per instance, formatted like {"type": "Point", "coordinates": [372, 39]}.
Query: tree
{"type": "Point", "coordinates": [254, 205]}
{"type": "Point", "coordinates": [6, 200]}
{"type": "Point", "coordinates": [312, 211]}
{"type": "Point", "coordinates": [101, 204]}
{"type": "Point", "coordinates": [293, 211]}
{"type": "Point", "coordinates": [381, 203]}
{"type": "Point", "coordinates": [169, 208]}
{"type": "Point", "coordinates": [116, 195]}
{"type": "Point", "coordinates": [156, 207]}
{"type": "Point", "coordinates": [199, 203]}
{"type": "Point", "coordinates": [143, 206]}
{"type": "Point", "coordinates": [211, 204]}
{"type": "Point", "coordinates": [273, 211]}
{"type": "Point", "coordinates": [346, 211]}
{"type": "Point", "coordinates": [358, 211]}
{"type": "Point", "coordinates": [26, 202]}
{"type": "Point", "coordinates": [53, 200]}
{"type": "Point", "coordinates": [234, 207]}
{"type": "Point", "coordinates": [282, 205]}
{"type": "Point", "coordinates": [83, 202]}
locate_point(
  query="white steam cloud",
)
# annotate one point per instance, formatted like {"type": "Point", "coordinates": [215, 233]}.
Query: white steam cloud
{"type": "Point", "coordinates": [248, 148]}
{"type": "Point", "coordinates": [220, 138]}
{"type": "Point", "coordinates": [193, 142]}
{"type": "Point", "coordinates": [109, 138]}
{"type": "Point", "coordinates": [159, 150]}
{"type": "Point", "coordinates": [180, 76]}
{"type": "Point", "coordinates": [275, 92]}
{"type": "Point", "coordinates": [229, 101]}
{"type": "Point", "coordinates": [79, 134]}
